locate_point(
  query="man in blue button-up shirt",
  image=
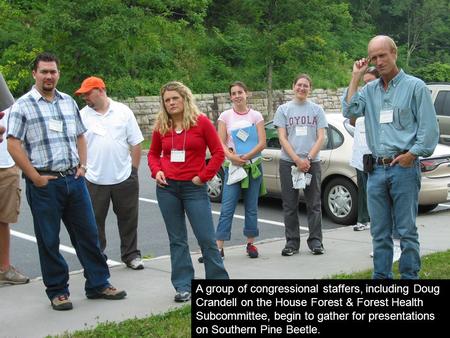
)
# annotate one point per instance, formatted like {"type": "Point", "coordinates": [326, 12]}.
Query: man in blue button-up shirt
{"type": "Point", "coordinates": [401, 125]}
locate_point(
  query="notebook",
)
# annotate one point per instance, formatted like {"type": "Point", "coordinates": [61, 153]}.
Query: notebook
{"type": "Point", "coordinates": [245, 139]}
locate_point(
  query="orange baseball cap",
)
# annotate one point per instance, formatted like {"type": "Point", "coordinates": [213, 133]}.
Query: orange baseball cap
{"type": "Point", "coordinates": [90, 83]}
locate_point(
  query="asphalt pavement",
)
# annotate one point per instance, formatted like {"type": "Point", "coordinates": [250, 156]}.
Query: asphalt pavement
{"type": "Point", "coordinates": [152, 235]}
{"type": "Point", "coordinates": [26, 312]}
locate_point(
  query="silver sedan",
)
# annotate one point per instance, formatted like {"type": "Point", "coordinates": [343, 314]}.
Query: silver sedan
{"type": "Point", "coordinates": [339, 188]}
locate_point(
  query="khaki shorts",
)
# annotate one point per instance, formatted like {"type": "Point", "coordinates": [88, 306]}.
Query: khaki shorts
{"type": "Point", "coordinates": [9, 194]}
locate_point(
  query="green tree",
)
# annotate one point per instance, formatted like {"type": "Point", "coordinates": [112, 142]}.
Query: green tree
{"type": "Point", "coordinates": [134, 45]}
{"type": "Point", "coordinates": [271, 40]}
{"type": "Point", "coordinates": [18, 41]}
{"type": "Point", "coordinates": [434, 72]}
{"type": "Point", "coordinates": [423, 19]}
{"type": "Point", "coordinates": [421, 27]}
{"type": "Point", "coordinates": [137, 45]}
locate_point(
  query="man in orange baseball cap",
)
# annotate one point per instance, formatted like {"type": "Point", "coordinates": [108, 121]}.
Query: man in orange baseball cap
{"type": "Point", "coordinates": [113, 170]}
{"type": "Point", "coordinates": [90, 83]}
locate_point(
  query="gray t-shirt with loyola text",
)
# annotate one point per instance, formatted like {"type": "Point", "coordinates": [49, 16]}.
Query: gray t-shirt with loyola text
{"type": "Point", "coordinates": [301, 120]}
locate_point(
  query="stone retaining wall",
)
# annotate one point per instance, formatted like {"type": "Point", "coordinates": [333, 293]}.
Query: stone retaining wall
{"type": "Point", "coordinates": [145, 108]}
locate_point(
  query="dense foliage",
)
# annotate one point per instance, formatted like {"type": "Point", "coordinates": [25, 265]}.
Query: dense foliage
{"type": "Point", "coordinates": [137, 45]}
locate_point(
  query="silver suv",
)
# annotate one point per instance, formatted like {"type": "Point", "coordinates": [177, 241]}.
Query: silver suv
{"type": "Point", "coordinates": [440, 93]}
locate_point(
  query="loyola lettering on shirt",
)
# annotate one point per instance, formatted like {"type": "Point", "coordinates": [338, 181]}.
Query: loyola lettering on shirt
{"type": "Point", "coordinates": [303, 120]}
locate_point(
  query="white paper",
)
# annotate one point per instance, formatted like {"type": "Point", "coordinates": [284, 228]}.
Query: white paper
{"type": "Point", "coordinates": [242, 135]}
{"type": "Point", "coordinates": [99, 130]}
{"type": "Point", "coordinates": [235, 174]}
{"type": "Point", "coordinates": [56, 125]}
{"type": "Point", "coordinates": [177, 156]}
{"type": "Point", "coordinates": [386, 116]}
{"type": "Point", "coordinates": [301, 131]}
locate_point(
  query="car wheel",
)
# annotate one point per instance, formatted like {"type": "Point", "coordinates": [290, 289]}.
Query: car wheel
{"type": "Point", "coordinates": [426, 208]}
{"type": "Point", "coordinates": [215, 187]}
{"type": "Point", "coordinates": [340, 201]}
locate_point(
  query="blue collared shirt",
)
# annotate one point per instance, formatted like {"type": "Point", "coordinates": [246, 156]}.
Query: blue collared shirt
{"type": "Point", "coordinates": [414, 126]}
{"type": "Point", "coordinates": [30, 121]}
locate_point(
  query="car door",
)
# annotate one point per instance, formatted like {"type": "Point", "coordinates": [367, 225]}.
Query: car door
{"type": "Point", "coordinates": [325, 151]}
{"type": "Point", "coordinates": [271, 159]}
{"type": "Point", "coordinates": [442, 106]}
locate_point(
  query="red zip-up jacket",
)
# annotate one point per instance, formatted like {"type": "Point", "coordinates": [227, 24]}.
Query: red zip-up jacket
{"type": "Point", "coordinates": [198, 137]}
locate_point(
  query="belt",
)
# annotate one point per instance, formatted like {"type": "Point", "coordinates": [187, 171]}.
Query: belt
{"type": "Point", "coordinates": [62, 173]}
{"type": "Point", "coordinates": [388, 160]}
{"type": "Point", "coordinates": [384, 160]}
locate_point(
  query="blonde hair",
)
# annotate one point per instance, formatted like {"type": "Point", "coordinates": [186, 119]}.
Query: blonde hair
{"type": "Point", "coordinates": [190, 114]}
{"type": "Point", "coordinates": [386, 39]}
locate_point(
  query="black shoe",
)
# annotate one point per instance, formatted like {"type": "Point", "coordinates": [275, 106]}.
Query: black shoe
{"type": "Point", "coordinates": [182, 296]}
{"type": "Point", "coordinates": [289, 251]}
{"type": "Point", "coordinates": [318, 250]}
{"type": "Point", "coordinates": [222, 254]}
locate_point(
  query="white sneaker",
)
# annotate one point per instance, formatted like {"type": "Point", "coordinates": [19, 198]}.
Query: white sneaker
{"type": "Point", "coordinates": [136, 264]}
{"type": "Point", "coordinates": [182, 296]}
{"type": "Point", "coordinates": [395, 256]}
{"type": "Point", "coordinates": [397, 252]}
{"type": "Point", "coordinates": [12, 276]}
{"type": "Point", "coordinates": [361, 226]}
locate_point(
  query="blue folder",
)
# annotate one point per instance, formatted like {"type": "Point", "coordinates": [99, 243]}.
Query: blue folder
{"type": "Point", "coordinates": [242, 147]}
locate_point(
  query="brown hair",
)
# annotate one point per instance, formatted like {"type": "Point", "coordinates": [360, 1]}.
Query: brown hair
{"type": "Point", "coordinates": [303, 76]}
{"type": "Point", "coordinates": [237, 83]}
{"type": "Point", "coordinates": [45, 57]}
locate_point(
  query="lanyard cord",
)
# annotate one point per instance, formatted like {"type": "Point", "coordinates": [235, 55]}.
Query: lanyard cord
{"type": "Point", "coordinates": [184, 141]}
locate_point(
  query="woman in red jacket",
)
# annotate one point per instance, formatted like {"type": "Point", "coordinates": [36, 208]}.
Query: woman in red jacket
{"type": "Point", "coordinates": [177, 162]}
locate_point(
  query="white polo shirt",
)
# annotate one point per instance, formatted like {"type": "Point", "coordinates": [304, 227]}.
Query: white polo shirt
{"type": "Point", "coordinates": [6, 160]}
{"type": "Point", "coordinates": [360, 147]}
{"type": "Point", "coordinates": [109, 137]}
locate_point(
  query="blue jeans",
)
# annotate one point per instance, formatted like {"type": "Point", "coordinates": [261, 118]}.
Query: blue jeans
{"type": "Point", "coordinates": [66, 199]}
{"type": "Point", "coordinates": [393, 199]}
{"type": "Point", "coordinates": [230, 198]}
{"type": "Point", "coordinates": [176, 200]}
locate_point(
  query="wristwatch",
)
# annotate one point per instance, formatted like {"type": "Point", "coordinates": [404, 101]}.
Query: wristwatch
{"type": "Point", "coordinates": [83, 166]}
{"type": "Point", "coordinates": [309, 158]}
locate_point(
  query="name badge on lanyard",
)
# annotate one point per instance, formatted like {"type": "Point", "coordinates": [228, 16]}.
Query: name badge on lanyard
{"type": "Point", "coordinates": [99, 129]}
{"type": "Point", "coordinates": [56, 125]}
{"type": "Point", "coordinates": [386, 116]}
{"type": "Point", "coordinates": [242, 135]}
{"type": "Point", "coordinates": [301, 130]}
{"type": "Point", "coordinates": [177, 156]}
